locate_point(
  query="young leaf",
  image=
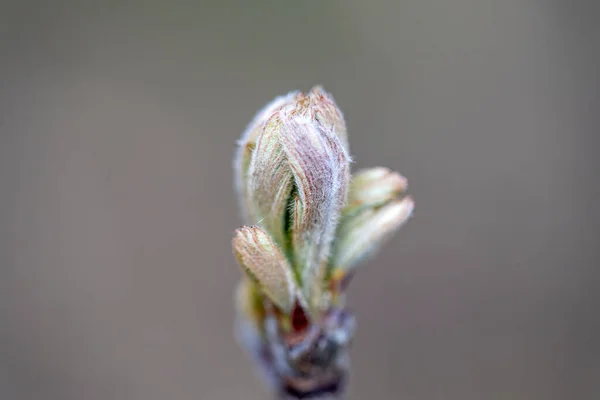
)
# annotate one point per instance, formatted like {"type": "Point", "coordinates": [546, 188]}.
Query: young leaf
{"type": "Point", "coordinates": [265, 265]}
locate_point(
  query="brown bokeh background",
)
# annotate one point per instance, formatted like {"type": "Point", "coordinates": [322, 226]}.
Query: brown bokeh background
{"type": "Point", "coordinates": [117, 129]}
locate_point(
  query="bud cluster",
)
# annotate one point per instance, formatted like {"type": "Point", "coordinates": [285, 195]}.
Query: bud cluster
{"type": "Point", "coordinates": [310, 223]}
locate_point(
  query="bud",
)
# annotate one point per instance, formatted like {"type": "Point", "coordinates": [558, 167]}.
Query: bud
{"type": "Point", "coordinates": [321, 174]}
{"type": "Point", "coordinates": [360, 235]}
{"type": "Point", "coordinates": [264, 264]}
{"type": "Point", "coordinates": [311, 224]}
{"type": "Point", "coordinates": [372, 214]}
{"type": "Point", "coordinates": [270, 182]}
{"type": "Point", "coordinates": [373, 188]}
{"type": "Point", "coordinates": [292, 172]}
{"type": "Point", "coordinates": [247, 145]}
{"type": "Point", "coordinates": [327, 113]}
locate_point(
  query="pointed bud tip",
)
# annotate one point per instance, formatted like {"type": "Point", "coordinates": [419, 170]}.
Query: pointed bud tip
{"type": "Point", "coordinates": [374, 187]}
{"type": "Point", "coordinates": [247, 144]}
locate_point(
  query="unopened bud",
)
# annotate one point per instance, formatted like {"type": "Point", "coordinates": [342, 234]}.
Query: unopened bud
{"type": "Point", "coordinates": [321, 174]}
{"type": "Point", "coordinates": [373, 187]}
{"type": "Point", "coordinates": [292, 170]}
{"type": "Point", "coordinates": [362, 234]}
{"type": "Point", "coordinates": [265, 265]}
{"type": "Point", "coordinates": [247, 145]}
{"type": "Point", "coordinates": [321, 106]}
{"type": "Point", "coordinates": [293, 179]}
{"type": "Point", "coordinates": [312, 224]}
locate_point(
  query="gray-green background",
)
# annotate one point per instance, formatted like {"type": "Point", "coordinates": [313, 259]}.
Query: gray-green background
{"type": "Point", "coordinates": [117, 129]}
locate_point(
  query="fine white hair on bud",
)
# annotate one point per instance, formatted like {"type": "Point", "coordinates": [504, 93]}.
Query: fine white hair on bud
{"type": "Point", "coordinates": [321, 174]}
{"type": "Point", "coordinates": [270, 181]}
{"type": "Point", "coordinates": [265, 265]}
{"type": "Point", "coordinates": [247, 144]}
{"type": "Point", "coordinates": [328, 114]}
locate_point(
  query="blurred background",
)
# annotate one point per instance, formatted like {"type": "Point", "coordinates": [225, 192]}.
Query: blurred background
{"type": "Point", "coordinates": [118, 123]}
